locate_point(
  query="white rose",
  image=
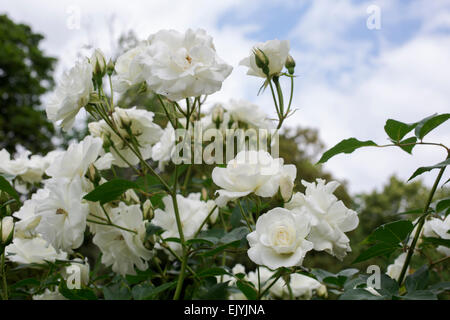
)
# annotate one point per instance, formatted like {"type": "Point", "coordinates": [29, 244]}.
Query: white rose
{"type": "Point", "coordinates": [192, 212]}
{"type": "Point", "coordinates": [63, 214]}
{"type": "Point", "coordinates": [303, 286]}
{"type": "Point", "coordinates": [76, 160]}
{"type": "Point", "coordinates": [71, 94]}
{"type": "Point", "coordinates": [129, 69]}
{"type": "Point", "coordinates": [330, 218]}
{"type": "Point", "coordinates": [34, 250]}
{"type": "Point", "coordinates": [276, 52]}
{"type": "Point", "coordinates": [279, 239]}
{"type": "Point", "coordinates": [122, 249]}
{"type": "Point", "coordinates": [251, 172]}
{"type": "Point", "coordinates": [179, 65]}
{"type": "Point", "coordinates": [394, 270]}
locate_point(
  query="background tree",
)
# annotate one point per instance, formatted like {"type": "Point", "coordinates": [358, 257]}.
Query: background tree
{"type": "Point", "coordinates": [25, 75]}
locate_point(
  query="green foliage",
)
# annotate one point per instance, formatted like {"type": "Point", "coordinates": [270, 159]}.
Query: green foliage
{"type": "Point", "coordinates": [396, 130]}
{"type": "Point", "coordinates": [110, 190]}
{"type": "Point", "coordinates": [6, 186]}
{"type": "Point", "coordinates": [421, 170]}
{"type": "Point", "coordinates": [345, 146]}
{"type": "Point", "coordinates": [428, 124]}
{"type": "Point", "coordinates": [25, 75]}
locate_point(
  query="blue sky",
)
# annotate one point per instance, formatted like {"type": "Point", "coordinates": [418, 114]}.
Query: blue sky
{"type": "Point", "coordinates": [351, 79]}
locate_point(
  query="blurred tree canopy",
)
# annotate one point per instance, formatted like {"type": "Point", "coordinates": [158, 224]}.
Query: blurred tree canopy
{"type": "Point", "coordinates": [25, 74]}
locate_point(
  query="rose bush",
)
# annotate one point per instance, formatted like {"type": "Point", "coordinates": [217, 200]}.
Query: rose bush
{"type": "Point", "coordinates": [131, 192]}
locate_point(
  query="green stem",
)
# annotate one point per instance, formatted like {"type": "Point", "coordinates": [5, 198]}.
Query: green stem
{"type": "Point", "coordinates": [420, 226]}
{"type": "Point", "coordinates": [180, 231]}
{"type": "Point", "coordinates": [261, 295]}
{"type": "Point", "coordinates": [245, 216]}
{"type": "Point", "coordinates": [5, 285]}
{"type": "Point", "coordinates": [276, 80]}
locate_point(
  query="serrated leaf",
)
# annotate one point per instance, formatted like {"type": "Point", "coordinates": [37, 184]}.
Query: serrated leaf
{"type": "Point", "coordinates": [428, 124]}
{"type": "Point", "coordinates": [110, 190]}
{"type": "Point", "coordinates": [396, 130]}
{"type": "Point", "coordinates": [6, 186]}
{"type": "Point", "coordinates": [408, 144]}
{"type": "Point", "coordinates": [345, 146]}
{"type": "Point", "coordinates": [376, 250]}
{"type": "Point", "coordinates": [391, 233]}
{"type": "Point", "coordinates": [421, 170]}
{"type": "Point", "coordinates": [235, 235]}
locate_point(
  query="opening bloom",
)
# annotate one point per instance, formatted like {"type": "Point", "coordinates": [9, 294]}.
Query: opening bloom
{"type": "Point", "coordinates": [279, 239]}
{"type": "Point", "coordinates": [275, 51]}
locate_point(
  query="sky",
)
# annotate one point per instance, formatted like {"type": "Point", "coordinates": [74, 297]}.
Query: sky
{"type": "Point", "coordinates": [359, 63]}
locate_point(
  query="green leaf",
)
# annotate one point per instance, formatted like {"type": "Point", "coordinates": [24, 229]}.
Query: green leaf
{"type": "Point", "coordinates": [76, 294]}
{"type": "Point", "coordinates": [6, 186]}
{"type": "Point", "coordinates": [345, 146]}
{"type": "Point", "coordinates": [211, 272]}
{"type": "Point", "coordinates": [409, 144]}
{"type": "Point", "coordinates": [199, 241]}
{"type": "Point", "coordinates": [235, 235]}
{"type": "Point", "coordinates": [437, 241]}
{"type": "Point", "coordinates": [147, 291]}
{"type": "Point", "coordinates": [110, 190]}
{"type": "Point", "coordinates": [25, 282]}
{"type": "Point", "coordinates": [418, 280]}
{"type": "Point", "coordinates": [419, 295]}
{"type": "Point", "coordinates": [151, 229]}
{"type": "Point", "coordinates": [440, 287]}
{"type": "Point", "coordinates": [212, 291]}
{"type": "Point", "coordinates": [442, 205]}
{"type": "Point", "coordinates": [142, 291]}
{"type": "Point", "coordinates": [421, 170]}
{"type": "Point", "coordinates": [396, 130]}
{"type": "Point", "coordinates": [139, 277]}
{"type": "Point", "coordinates": [248, 290]}
{"type": "Point", "coordinates": [391, 233]}
{"type": "Point", "coordinates": [359, 294]}
{"type": "Point", "coordinates": [377, 250]}
{"type": "Point", "coordinates": [389, 286]}
{"type": "Point", "coordinates": [117, 291]}
{"type": "Point", "coordinates": [428, 124]}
